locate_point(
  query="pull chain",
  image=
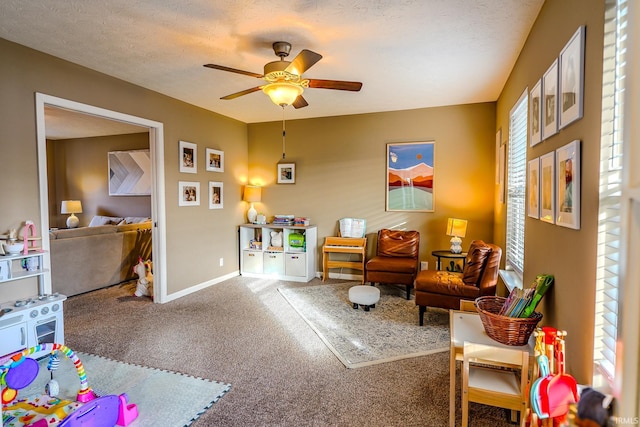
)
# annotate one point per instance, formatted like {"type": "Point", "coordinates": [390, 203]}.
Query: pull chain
{"type": "Point", "coordinates": [283, 134]}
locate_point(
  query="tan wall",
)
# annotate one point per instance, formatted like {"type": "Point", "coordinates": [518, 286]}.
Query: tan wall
{"type": "Point", "coordinates": [193, 233]}
{"type": "Point", "coordinates": [341, 161]}
{"type": "Point", "coordinates": [570, 255]}
{"type": "Point", "coordinates": [80, 171]}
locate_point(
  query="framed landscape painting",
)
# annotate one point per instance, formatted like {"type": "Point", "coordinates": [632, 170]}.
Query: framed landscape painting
{"type": "Point", "coordinates": [409, 180]}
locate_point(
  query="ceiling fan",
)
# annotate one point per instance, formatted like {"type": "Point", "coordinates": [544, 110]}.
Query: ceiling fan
{"type": "Point", "coordinates": [284, 81]}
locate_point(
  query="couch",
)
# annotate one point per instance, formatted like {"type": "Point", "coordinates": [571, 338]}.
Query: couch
{"type": "Point", "coordinates": [89, 258]}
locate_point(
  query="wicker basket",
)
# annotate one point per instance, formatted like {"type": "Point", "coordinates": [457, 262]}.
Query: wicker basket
{"type": "Point", "coordinates": [506, 330]}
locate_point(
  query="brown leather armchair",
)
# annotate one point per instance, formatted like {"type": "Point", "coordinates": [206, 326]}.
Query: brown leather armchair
{"type": "Point", "coordinates": [396, 260]}
{"type": "Point", "coordinates": [445, 289]}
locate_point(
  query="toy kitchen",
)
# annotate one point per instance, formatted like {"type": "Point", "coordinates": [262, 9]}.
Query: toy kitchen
{"type": "Point", "coordinates": [30, 321]}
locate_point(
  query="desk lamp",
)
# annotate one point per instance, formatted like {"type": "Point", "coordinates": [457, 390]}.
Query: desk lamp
{"type": "Point", "coordinates": [456, 228]}
{"type": "Point", "coordinates": [252, 193]}
{"type": "Point", "coordinates": [71, 207]}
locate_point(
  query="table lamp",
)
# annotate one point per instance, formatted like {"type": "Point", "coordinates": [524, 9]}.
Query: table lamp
{"type": "Point", "coordinates": [456, 228]}
{"type": "Point", "coordinates": [252, 193]}
{"type": "Point", "coordinates": [71, 207]}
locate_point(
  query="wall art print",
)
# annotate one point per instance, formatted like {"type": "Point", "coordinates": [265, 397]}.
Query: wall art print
{"type": "Point", "coordinates": [572, 79]}
{"type": "Point", "coordinates": [215, 160]}
{"type": "Point", "coordinates": [568, 185]}
{"type": "Point", "coordinates": [129, 173]}
{"type": "Point", "coordinates": [550, 105]}
{"type": "Point", "coordinates": [534, 188]}
{"type": "Point", "coordinates": [188, 157]}
{"type": "Point", "coordinates": [409, 180]}
{"type": "Point", "coordinates": [547, 187]}
{"type": "Point", "coordinates": [188, 193]}
{"type": "Point", "coordinates": [216, 194]}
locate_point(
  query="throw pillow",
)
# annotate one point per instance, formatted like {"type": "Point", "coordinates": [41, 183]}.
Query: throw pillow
{"type": "Point", "coordinates": [104, 220]}
{"type": "Point", "coordinates": [136, 219]}
{"type": "Point", "coordinates": [475, 262]}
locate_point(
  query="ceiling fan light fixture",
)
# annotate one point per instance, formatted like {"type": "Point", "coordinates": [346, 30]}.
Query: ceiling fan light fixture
{"type": "Point", "coordinates": [283, 93]}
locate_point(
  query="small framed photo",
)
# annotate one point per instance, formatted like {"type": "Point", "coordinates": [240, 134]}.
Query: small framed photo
{"type": "Point", "coordinates": [188, 157]}
{"type": "Point", "coordinates": [547, 188]}
{"type": "Point", "coordinates": [215, 160]}
{"type": "Point", "coordinates": [534, 188]}
{"type": "Point", "coordinates": [568, 185]}
{"type": "Point", "coordinates": [216, 195]}
{"type": "Point", "coordinates": [286, 173]}
{"type": "Point", "coordinates": [535, 111]}
{"type": "Point", "coordinates": [572, 79]}
{"type": "Point", "coordinates": [550, 105]}
{"type": "Point", "coordinates": [188, 193]}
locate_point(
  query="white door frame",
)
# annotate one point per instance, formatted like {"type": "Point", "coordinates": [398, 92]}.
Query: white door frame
{"type": "Point", "coordinates": [156, 147]}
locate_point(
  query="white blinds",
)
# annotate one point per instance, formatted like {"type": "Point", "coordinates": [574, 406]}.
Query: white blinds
{"type": "Point", "coordinates": [609, 235]}
{"type": "Point", "coordinates": [516, 184]}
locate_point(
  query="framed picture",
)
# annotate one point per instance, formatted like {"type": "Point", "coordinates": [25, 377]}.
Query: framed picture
{"type": "Point", "coordinates": [572, 79]}
{"type": "Point", "coordinates": [129, 173]}
{"type": "Point", "coordinates": [535, 112]}
{"type": "Point", "coordinates": [550, 105]}
{"type": "Point", "coordinates": [188, 157]}
{"type": "Point", "coordinates": [188, 193]}
{"type": "Point", "coordinates": [216, 195]}
{"type": "Point", "coordinates": [286, 173]}
{"type": "Point", "coordinates": [215, 160]}
{"type": "Point", "coordinates": [547, 188]}
{"type": "Point", "coordinates": [410, 170]}
{"type": "Point", "coordinates": [568, 185]}
{"type": "Point", "coordinates": [534, 188]}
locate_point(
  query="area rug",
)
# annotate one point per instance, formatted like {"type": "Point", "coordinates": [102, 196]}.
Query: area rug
{"type": "Point", "coordinates": [358, 338]}
{"type": "Point", "coordinates": [164, 398]}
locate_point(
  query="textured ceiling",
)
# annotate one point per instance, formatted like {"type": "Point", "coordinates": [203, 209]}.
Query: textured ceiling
{"type": "Point", "coordinates": [407, 53]}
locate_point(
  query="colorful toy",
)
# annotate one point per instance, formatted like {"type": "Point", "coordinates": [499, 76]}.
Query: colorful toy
{"type": "Point", "coordinates": [144, 287]}
{"type": "Point", "coordinates": [17, 371]}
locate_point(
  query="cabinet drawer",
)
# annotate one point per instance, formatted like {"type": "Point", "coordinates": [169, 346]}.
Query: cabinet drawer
{"type": "Point", "coordinates": [252, 262]}
{"type": "Point", "coordinates": [295, 264]}
{"type": "Point", "coordinates": [273, 263]}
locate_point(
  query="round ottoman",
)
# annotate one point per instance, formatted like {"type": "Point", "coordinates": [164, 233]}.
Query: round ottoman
{"type": "Point", "coordinates": [366, 296]}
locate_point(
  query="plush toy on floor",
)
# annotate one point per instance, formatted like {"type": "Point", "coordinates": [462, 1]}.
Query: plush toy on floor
{"type": "Point", "coordinates": [144, 287]}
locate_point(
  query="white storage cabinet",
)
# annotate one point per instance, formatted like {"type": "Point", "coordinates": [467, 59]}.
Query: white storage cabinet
{"type": "Point", "coordinates": [258, 258]}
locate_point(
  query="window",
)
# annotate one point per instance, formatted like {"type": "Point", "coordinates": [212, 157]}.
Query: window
{"type": "Point", "coordinates": [610, 257]}
{"type": "Point", "coordinates": [516, 184]}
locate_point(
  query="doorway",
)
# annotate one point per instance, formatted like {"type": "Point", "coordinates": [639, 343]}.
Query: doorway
{"type": "Point", "coordinates": [156, 148]}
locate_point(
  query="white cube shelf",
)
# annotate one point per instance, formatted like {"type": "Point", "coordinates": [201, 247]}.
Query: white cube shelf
{"type": "Point", "coordinates": [259, 257]}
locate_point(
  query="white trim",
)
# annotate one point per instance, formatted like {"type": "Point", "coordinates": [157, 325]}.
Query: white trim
{"type": "Point", "coordinates": [202, 286]}
{"type": "Point", "coordinates": [156, 146]}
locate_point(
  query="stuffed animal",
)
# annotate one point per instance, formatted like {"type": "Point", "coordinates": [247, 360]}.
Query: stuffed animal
{"type": "Point", "coordinates": [276, 238]}
{"type": "Point", "coordinates": [144, 287]}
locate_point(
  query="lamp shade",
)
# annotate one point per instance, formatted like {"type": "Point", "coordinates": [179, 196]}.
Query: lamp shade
{"type": "Point", "coordinates": [456, 227]}
{"type": "Point", "coordinates": [282, 93]}
{"type": "Point", "coordinates": [71, 207]}
{"type": "Point", "coordinates": [252, 193]}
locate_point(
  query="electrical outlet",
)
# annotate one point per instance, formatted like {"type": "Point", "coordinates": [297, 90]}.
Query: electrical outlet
{"type": "Point", "coordinates": [221, 262]}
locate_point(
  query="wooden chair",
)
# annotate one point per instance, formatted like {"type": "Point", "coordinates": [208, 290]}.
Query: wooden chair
{"type": "Point", "coordinates": [494, 376]}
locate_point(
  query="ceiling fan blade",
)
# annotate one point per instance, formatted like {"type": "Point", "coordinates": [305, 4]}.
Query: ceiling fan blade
{"type": "Point", "coordinates": [241, 93]}
{"type": "Point", "coordinates": [233, 70]}
{"type": "Point", "coordinates": [335, 84]}
{"type": "Point", "coordinates": [301, 63]}
{"type": "Point", "coordinates": [300, 102]}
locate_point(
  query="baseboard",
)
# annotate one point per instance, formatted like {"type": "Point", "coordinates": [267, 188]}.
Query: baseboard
{"type": "Point", "coordinates": [201, 286]}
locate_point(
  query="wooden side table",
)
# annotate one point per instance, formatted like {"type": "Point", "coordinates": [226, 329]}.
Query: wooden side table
{"type": "Point", "coordinates": [344, 245]}
{"type": "Point", "coordinates": [448, 255]}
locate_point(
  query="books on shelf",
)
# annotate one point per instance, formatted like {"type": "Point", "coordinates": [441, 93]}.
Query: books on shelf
{"type": "Point", "coordinates": [523, 302]}
{"type": "Point", "coordinates": [283, 219]}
